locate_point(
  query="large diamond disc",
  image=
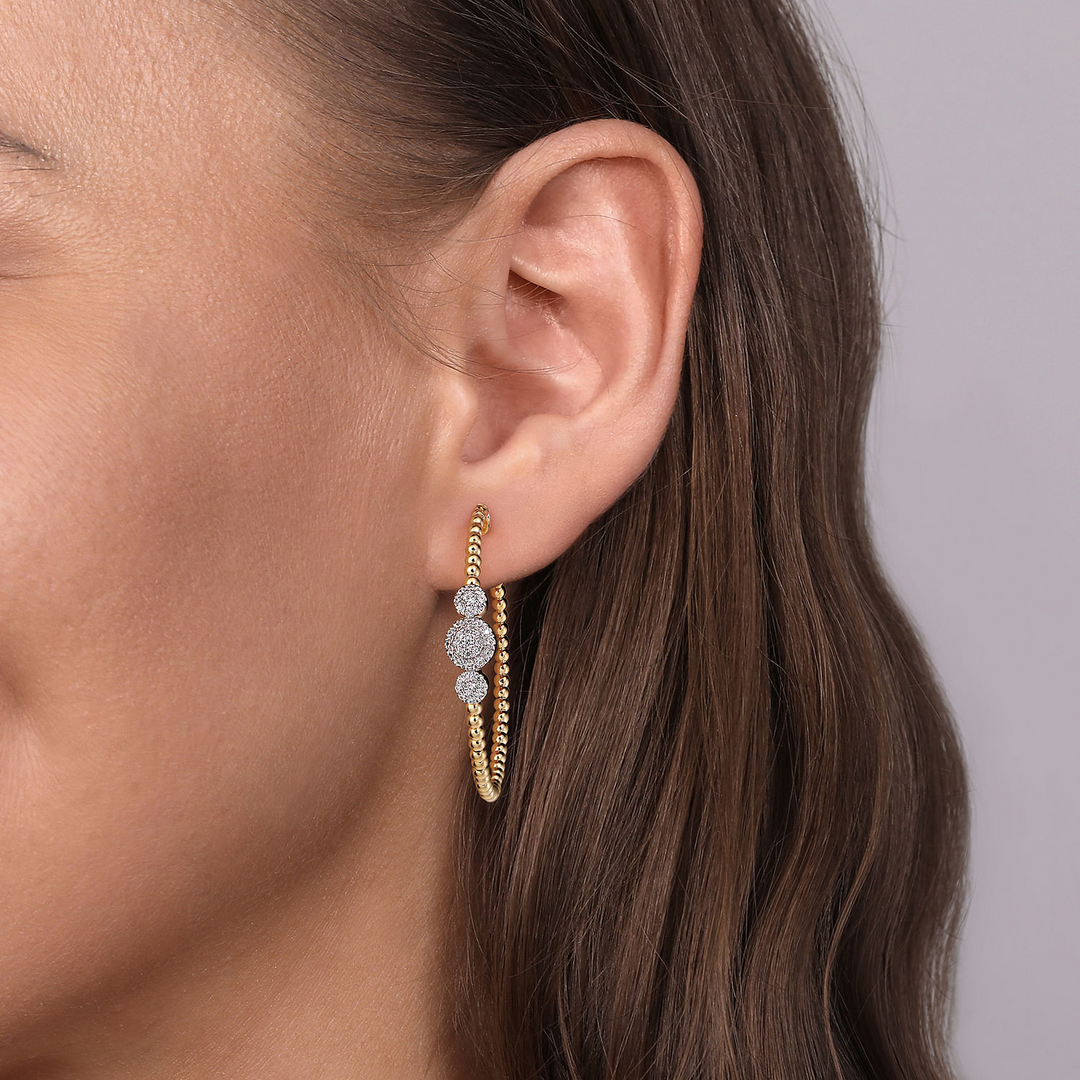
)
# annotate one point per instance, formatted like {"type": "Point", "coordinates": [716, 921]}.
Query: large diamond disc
{"type": "Point", "coordinates": [470, 643]}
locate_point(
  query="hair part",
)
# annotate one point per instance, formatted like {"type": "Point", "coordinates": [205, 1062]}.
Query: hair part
{"type": "Point", "coordinates": [733, 839]}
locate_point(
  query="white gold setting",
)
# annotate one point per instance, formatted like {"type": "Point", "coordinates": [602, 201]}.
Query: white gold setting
{"type": "Point", "coordinates": [470, 599]}
{"type": "Point", "coordinates": [471, 687]}
{"type": "Point", "coordinates": [470, 643]}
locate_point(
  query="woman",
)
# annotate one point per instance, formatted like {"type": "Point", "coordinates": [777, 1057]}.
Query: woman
{"type": "Point", "coordinates": [317, 311]}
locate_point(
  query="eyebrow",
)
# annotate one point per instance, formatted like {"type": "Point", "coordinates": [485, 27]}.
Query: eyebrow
{"type": "Point", "coordinates": [35, 158]}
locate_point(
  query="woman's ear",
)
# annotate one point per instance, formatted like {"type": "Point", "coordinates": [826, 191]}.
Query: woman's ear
{"type": "Point", "coordinates": [566, 292]}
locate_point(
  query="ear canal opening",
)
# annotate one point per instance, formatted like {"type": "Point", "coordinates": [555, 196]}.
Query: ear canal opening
{"type": "Point", "coordinates": [531, 293]}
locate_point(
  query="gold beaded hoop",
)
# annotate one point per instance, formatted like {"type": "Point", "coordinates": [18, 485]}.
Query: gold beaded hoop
{"type": "Point", "coordinates": [471, 643]}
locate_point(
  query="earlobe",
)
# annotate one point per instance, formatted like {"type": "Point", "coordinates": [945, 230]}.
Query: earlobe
{"type": "Point", "coordinates": [576, 272]}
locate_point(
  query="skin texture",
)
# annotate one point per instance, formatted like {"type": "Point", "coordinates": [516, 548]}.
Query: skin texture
{"type": "Point", "coordinates": [233, 508]}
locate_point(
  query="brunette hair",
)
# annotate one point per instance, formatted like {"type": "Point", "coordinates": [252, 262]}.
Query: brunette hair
{"type": "Point", "coordinates": [732, 842]}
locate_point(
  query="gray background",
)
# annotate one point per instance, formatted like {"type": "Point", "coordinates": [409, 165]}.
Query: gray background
{"type": "Point", "coordinates": [974, 110]}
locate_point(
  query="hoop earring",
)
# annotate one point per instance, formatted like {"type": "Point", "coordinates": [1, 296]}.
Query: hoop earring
{"type": "Point", "coordinates": [471, 643]}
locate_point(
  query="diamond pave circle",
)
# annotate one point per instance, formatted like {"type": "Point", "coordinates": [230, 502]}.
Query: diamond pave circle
{"type": "Point", "coordinates": [471, 687]}
{"type": "Point", "coordinates": [470, 643]}
{"type": "Point", "coordinates": [470, 599]}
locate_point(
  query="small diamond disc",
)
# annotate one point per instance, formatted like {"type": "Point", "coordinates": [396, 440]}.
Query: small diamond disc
{"type": "Point", "coordinates": [471, 687]}
{"type": "Point", "coordinates": [470, 643]}
{"type": "Point", "coordinates": [470, 600]}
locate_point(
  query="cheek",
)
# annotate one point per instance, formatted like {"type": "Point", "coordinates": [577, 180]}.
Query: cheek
{"type": "Point", "coordinates": [198, 589]}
